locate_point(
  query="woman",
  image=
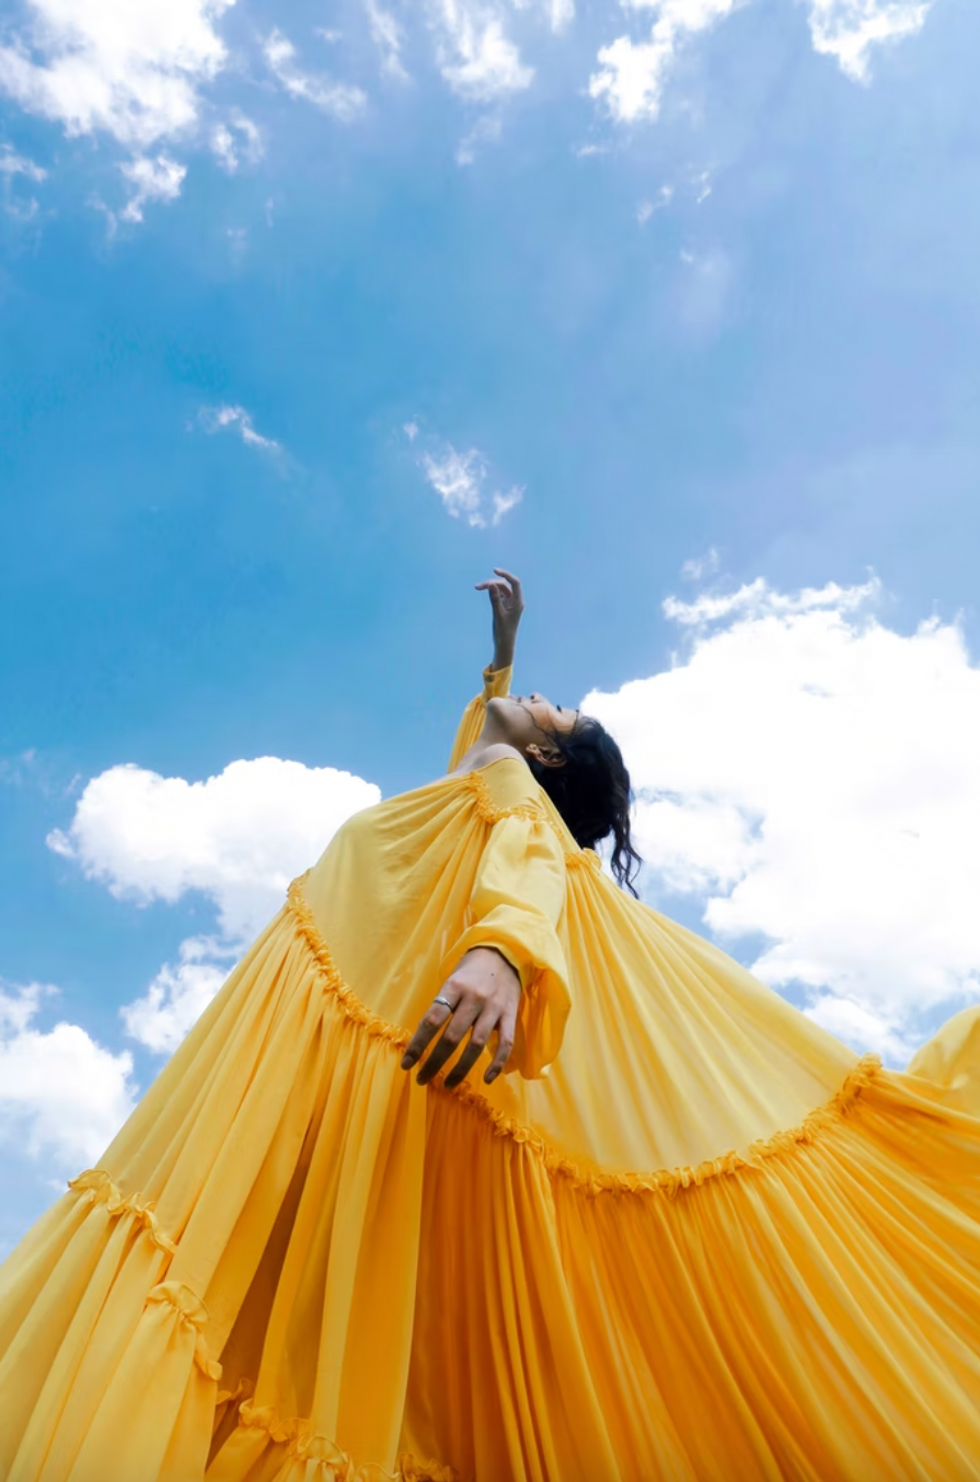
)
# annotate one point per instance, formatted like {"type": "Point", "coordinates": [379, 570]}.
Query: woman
{"type": "Point", "coordinates": [684, 1235]}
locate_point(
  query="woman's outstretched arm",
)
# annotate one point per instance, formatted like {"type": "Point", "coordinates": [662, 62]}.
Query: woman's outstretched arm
{"type": "Point", "coordinates": [507, 602]}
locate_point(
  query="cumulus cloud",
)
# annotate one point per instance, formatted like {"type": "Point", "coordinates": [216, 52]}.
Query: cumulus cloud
{"type": "Point", "coordinates": [459, 480]}
{"type": "Point", "coordinates": [132, 70]}
{"type": "Point", "coordinates": [632, 74]}
{"type": "Point", "coordinates": [238, 839]}
{"type": "Point", "coordinates": [178, 995]}
{"type": "Point", "coordinates": [157, 179]}
{"type": "Point", "coordinates": [850, 29]}
{"type": "Point", "coordinates": [340, 99]}
{"type": "Point", "coordinates": [474, 53]}
{"type": "Point", "coordinates": [236, 419]}
{"type": "Point", "coordinates": [808, 777]}
{"type": "Point", "coordinates": [62, 1095]}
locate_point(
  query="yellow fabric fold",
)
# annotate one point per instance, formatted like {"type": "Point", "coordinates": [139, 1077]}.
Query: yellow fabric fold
{"type": "Point", "coordinates": [517, 899]}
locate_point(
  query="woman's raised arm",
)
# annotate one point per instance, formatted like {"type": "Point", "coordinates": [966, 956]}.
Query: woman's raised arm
{"type": "Point", "coordinates": [507, 601]}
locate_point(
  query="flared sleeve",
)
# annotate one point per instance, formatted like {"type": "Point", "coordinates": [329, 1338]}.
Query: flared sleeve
{"type": "Point", "coordinates": [517, 901]}
{"type": "Point", "coordinates": [495, 682]}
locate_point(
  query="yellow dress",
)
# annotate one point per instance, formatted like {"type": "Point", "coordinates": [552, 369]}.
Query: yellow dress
{"type": "Point", "coordinates": [690, 1236]}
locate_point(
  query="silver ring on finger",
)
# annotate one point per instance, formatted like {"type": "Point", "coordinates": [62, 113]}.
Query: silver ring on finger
{"type": "Point", "coordinates": [440, 999]}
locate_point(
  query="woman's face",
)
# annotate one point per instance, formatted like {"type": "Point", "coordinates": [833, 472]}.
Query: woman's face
{"type": "Point", "coordinates": [528, 720]}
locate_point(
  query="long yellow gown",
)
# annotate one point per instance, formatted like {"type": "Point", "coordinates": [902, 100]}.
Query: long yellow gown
{"type": "Point", "coordinates": [691, 1237]}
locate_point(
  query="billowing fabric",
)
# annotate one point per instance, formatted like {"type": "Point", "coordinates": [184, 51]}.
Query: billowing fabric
{"type": "Point", "coordinates": [689, 1237]}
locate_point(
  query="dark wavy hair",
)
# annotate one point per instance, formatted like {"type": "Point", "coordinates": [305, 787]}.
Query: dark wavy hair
{"type": "Point", "coordinates": [592, 793]}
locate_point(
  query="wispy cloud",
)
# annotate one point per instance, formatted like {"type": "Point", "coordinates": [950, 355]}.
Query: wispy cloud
{"type": "Point", "coordinates": [460, 481]}
{"type": "Point", "coordinates": [660, 202]}
{"type": "Point", "coordinates": [701, 566]}
{"type": "Point", "coordinates": [17, 204]}
{"type": "Point", "coordinates": [486, 130]}
{"type": "Point", "coordinates": [18, 164]}
{"type": "Point", "coordinates": [475, 55]}
{"type": "Point", "coordinates": [236, 140]}
{"type": "Point", "coordinates": [157, 179]}
{"type": "Point", "coordinates": [340, 99]}
{"type": "Point", "coordinates": [386, 34]}
{"type": "Point", "coordinates": [850, 29]}
{"type": "Point", "coordinates": [236, 419]}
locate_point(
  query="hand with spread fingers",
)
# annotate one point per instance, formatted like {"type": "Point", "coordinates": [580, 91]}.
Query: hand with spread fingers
{"type": "Point", "coordinates": [479, 998]}
{"type": "Point", "coordinates": [507, 603]}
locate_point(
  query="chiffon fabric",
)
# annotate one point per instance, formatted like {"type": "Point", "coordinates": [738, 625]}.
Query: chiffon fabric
{"type": "Point", "coordinates": [689, 1237]}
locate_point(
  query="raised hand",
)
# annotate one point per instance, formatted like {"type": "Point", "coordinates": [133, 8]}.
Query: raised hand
{"type": "Point", "coordinates": [481, 996]}
{"type": "Point", "coordinates": [507, 602]}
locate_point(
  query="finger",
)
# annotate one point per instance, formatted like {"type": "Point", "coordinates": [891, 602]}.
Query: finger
{"type": "Point", "coordinates": [452, 1037]}
{"type": "Point", "coordinates": [482, 1030]}
{"type": "Point", "coordinates": [429, 1025]}
{"type": "Point", "coordinates": [515, 581]}
{"type": "Point", "coordinates": [505, 1043]}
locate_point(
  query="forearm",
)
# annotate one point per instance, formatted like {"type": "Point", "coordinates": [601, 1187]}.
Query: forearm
{"type": "Point", "coordinates": [503, 655]}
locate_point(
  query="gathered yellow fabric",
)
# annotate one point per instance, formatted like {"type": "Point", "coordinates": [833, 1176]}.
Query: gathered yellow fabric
{"type": "Point", "coordinates": [690, 1238]}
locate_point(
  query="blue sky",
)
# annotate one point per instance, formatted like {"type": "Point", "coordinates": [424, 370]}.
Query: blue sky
{"type": "Point", "coordinates": [311, 314]}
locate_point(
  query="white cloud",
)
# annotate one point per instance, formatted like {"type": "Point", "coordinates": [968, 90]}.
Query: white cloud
{"type": "Point", "coordinates": [850, 29]}
{"type": "Point", "coordinates": [340, 99]}
{"type": "Point", "coordinates": [809, 776]}
{"type": "Point", "coordinates": [486, 130]}
{"type": "Point", "coordinates": [62, 1095]}
{"type": "Point", "coordinates": [386, 34]}
{"type": "Point", "coordinates": [662, 200]}
{"type": "Point", "coordinates": [701, 566]}
{"type": "Point", "coordinates": [239, 837]}
{"type": "Point", "coordinates": [632, 74]}
{"type": "Point", "coordinates": [17, 167]}
{"type": "Point", "coordinates": [475, 56]}
{"type": "Point", "coordinates": [232, 141]}
{"type": "Point", "coordinates": [18, 164]}
{"type": "Point", "coordinates": [236, 419]}
{"type": "Point", "coordinates": [157, 179]}
{"type": "Point", "coordinates": [133, 70]}
{"type": "Point", "coordinates": [504, 503]}
{"type": "Point", "coordinates": [178, 995]}
{"type": "Point", "coordinates": [561, 13]}
{"type": "Point", "coordinates": [459, 479]}
{"type": "Point", "coordinates": [411, 430]}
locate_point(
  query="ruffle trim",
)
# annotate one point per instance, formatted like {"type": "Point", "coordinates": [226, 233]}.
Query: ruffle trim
{"type": "Point", "coordinates": [97, 1187]}
{"type": "Point", "coordinates": [193, 1312]}
{"type": "Point", "coordinates": [590, 1181]}
{"type": "Point", "coordinates": [305, 1445]}
{"type": "Point", "coordinates": [350, 1004]}
{"type": "Point", "coordinates": [488, 809]}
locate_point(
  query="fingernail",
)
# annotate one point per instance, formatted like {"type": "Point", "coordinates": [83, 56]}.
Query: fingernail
{"type": "Point", "coordinates": [407, 1062]}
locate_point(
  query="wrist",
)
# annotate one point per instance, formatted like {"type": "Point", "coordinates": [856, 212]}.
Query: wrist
{"type": "Point", "coordinates": [503, 658]}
